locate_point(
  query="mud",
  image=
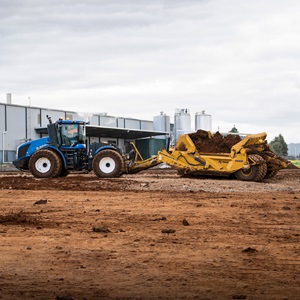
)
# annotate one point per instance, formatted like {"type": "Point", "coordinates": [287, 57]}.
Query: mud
{"type": "Point", "coordinates": [216, 144]}
{"type": "Point", "coordinates": [153, 235]}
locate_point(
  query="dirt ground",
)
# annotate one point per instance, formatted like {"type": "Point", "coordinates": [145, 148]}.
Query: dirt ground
{"type": "Point", "coordinates": [153, 235]}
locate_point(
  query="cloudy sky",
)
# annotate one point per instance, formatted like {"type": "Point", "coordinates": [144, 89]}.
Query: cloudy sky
{"type": "Point", "coordinates": [237, 60]}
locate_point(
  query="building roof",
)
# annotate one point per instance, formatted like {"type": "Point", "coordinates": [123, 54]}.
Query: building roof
{"type": "Point", "coordinates": [113, 132]}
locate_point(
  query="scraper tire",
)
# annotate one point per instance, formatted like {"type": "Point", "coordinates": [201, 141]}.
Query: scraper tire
{"type": "Point", "coordinates": [271, 173]}
{"type": "Point", "coordinates": [256, 172]}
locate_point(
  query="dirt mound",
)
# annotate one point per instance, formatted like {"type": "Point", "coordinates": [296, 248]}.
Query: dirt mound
{"type": "Point", "coordinates": [18, 218]}
{"type": "Point", "coordinates": [215, 144]}
{"type": "Point", "coordinates": [291, 166]}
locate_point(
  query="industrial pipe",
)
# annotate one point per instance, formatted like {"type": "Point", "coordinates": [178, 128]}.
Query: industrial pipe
{"type": "Point", "coordinates": [3, 133]}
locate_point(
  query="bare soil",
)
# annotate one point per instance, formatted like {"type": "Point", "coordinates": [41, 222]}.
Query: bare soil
{"type": "Point", "coordinates": [152, 235]}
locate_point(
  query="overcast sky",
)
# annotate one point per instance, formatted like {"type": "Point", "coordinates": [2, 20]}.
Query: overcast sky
{"type": "Point", "coordinates": [237, 60]}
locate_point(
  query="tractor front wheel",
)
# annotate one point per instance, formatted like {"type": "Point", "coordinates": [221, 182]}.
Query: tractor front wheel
{"type": "Point", "coordinates": [256, 172]}
{"type": "Point", "coordinates": [108, 164]}
{"type": "Point", "coordinates": [45, 164]}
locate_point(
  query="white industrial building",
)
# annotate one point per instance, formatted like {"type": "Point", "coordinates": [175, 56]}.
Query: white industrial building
{"type": "Point", "coordinates": [294, 150]}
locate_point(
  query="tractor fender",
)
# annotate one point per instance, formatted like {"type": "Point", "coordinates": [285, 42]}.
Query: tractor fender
{"type": "Point", "coordinates": [57, 151]}
{"type": "Point", "coordinates": [110, 147]}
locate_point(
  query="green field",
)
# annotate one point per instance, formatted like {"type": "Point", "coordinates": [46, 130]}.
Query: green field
{"type": "Point", "coordinates": [296, 163]}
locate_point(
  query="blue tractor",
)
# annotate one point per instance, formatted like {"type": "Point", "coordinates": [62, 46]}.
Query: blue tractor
{"type": "Point", "coordinates": [65, 149]}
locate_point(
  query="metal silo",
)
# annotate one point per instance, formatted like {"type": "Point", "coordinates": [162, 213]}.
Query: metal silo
{"type": "Point", "coordinates": [203, 121]}
{"type": "Point", "coordinates": [182, 122]}
{"type": "Point", "coordinates": [161, 123]}
{"type": "Point", "coordinates": [150, 146]}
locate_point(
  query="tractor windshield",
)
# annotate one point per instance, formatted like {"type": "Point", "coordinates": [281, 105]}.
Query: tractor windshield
{"type": "Point", "coordinates": [71, 134]}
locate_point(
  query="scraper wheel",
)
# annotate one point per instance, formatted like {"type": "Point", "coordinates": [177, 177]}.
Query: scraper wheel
{"type": "Point", "coordinates": [256, 172]}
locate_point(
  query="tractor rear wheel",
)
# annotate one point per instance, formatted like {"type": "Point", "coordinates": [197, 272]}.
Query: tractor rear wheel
{"type": "Point", "coordinates": [108, 164]}
{"type": "Point", "coordinates": [256, 172]}
{"type": "Point", "coordinates": [45, 164]}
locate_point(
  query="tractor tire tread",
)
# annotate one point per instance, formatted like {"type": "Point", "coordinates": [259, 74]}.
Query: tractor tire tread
{"type": "Point", "coordinates": [56, 164]}
{"type": "Point", "coordinates": [112, 154]}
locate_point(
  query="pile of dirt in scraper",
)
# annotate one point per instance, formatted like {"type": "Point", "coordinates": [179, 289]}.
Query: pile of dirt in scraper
{"type": "Point", "coordinates": [215, 144]}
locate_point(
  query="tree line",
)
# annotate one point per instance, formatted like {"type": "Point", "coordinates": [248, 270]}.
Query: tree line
{"type": "Point", "coordinates": [279, 146]}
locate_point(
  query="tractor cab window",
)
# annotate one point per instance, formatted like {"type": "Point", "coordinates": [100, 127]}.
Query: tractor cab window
{"type": "Point", "coordinates": [68, 134]}
{"type": "Point", "coordinates": [71, 134]}
{"type": "Point", "coordinates": [81, 134]}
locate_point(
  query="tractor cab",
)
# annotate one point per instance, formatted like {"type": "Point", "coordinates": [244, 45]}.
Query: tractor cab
{"type": "Point", "coordinates": [67, 134]}
{"type": "Point", "coordinates": [71, 134]}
